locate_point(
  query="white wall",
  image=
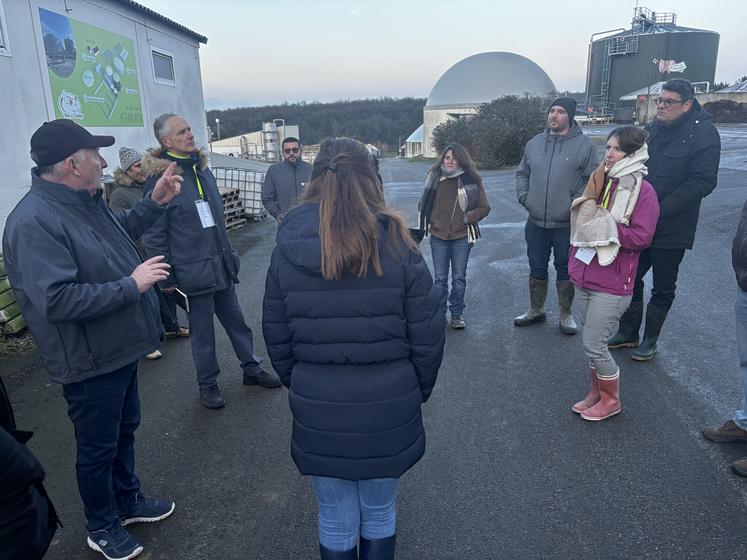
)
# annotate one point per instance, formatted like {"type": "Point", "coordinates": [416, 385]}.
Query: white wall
{"type": "Point", "coordinates": [28, 103]}
{"type": "Point", "coordinates": [432, 118]}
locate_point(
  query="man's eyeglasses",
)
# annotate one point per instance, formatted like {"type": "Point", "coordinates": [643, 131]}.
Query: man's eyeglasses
{"type": "Point", "coordinates": [668, 102]}
{"type": "Point", "coordinates": [291, 150]}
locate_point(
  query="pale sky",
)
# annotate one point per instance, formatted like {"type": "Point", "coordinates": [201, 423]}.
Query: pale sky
{"type": "Point", "coordinates": [273, 51]}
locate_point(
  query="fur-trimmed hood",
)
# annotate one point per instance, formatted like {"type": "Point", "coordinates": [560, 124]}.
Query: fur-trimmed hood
{"type": "Point", "coordinates": [154, 162]}
{"type": "Point", "coordinates": [124, 181]}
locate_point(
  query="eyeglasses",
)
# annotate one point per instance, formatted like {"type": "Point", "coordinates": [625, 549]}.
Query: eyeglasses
{"type": "Point", "coordinates": [291, 150]}
{"type": "Point", "coordinates": [668, 102]}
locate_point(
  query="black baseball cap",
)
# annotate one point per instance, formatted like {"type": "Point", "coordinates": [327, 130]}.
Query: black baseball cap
{"type": "Point", "coordinates": [55, 140]}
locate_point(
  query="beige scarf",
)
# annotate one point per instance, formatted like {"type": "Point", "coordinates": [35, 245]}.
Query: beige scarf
{"type": "Point", "coordinates": [593, 225]}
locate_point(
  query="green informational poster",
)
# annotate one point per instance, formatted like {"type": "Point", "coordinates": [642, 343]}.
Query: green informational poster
{"type": "Point", "coordinates": [92, 73]}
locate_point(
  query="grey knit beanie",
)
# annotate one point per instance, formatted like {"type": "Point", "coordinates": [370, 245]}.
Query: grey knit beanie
{"type": "Point", "coordinates": [128, 157]}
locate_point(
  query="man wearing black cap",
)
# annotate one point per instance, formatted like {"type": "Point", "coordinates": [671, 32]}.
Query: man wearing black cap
{"type": "Point", "coordinates": [86, 296]}
{"type": "Point", "coordinates": [556, 165]}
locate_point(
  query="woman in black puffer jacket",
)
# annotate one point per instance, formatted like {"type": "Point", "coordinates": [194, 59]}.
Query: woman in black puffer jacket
{"type": "Point", "coordinates": [353, 328]}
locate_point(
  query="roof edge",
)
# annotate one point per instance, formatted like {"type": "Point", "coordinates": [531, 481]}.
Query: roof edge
{"type": "Point", "coordinates": [170, 22]}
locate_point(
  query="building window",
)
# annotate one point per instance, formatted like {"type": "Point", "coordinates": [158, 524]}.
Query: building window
{"type": "Point", "coordinates": [4, 46]}
{"type": "Point", "coordinates": [163, 67]}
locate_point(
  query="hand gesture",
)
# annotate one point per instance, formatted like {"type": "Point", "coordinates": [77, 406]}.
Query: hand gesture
{"type": "Point", "coordinates": [167, 186]}
{"type": "Point", "coordinates": [150, 272]}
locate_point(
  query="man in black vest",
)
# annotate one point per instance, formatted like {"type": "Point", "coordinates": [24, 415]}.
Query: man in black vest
{"type": "Point", "coordinates": [684, 152]}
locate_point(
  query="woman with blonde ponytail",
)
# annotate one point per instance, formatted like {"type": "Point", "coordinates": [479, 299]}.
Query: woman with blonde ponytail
{"type": "Point", "coordinates": [353, 328]}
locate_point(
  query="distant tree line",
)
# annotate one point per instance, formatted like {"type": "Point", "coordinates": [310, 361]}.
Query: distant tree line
{"type": "Point", "coordinates": [382, 122]}
{"type": "Point", "coordinates": [497, 134]}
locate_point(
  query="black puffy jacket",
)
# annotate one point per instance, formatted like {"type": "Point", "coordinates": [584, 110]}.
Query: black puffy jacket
{"type": "Point", "coordinates": [359, 355]}
{"type": "Point", "coordinates": [682, 167]}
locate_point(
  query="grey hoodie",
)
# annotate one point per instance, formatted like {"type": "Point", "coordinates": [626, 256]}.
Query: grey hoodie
{"type": "Point", "coordinates": [554, 171]}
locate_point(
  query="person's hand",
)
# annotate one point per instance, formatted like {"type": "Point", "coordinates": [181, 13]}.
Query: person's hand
{"type": "Point", "coordinates": [150, 272]}
{"type": "Point", "coordinates": [169, 290]}
{"type": "Point", "coordinates": [167, 186]}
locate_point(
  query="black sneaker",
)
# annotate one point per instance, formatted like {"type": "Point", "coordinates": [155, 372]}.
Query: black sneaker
{"type": "Point", "coordinates": [211, 397]}
{"type": "Point", "coordinates": [144, 510]}
{"type": "Point", "coordinates": [114, 544]}
{"type": "Point", "coordinates": [263, 379]}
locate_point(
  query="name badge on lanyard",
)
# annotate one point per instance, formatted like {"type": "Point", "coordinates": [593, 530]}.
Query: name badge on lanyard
{"type": "Point", "coordinates": [206, 216]}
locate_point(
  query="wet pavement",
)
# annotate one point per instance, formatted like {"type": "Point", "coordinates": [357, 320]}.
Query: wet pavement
{"type": "Point", "coordinates": [509, 471]}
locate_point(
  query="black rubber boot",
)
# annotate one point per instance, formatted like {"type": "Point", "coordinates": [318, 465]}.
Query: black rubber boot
{"type": "Point", "coordinates": [630, 323]}
{"type": "Point", "coordinates": [327, 554]}
{"type": "Point", "coordinates": [378, 549]}
{"type": "Point", "coordinates": [537, 296]}
{"type": "Point", "coordinates": [655, 317]}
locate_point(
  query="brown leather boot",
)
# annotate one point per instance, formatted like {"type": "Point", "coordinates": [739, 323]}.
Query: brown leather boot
{"type": "Point", "coordinates": [592, 397]}
{"type": "Point", "coordinates": [726, 433]}
{"type": "Point", "coordinates": [609, 399]}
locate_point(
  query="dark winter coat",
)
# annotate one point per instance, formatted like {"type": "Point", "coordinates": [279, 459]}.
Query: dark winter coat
{"type": "Point", "coordinates": [70, 262]}
{"type": "Point", "coordinates": [553, 171]}
{"type": "Point", "coordinates": [739, 251]}
{"type": "Point", "coordinates": [202, 260]}
{"type": "Point", "coordinates": [127, 192]}
{"type": "Point", "coordinates": [28, 519]}
{"type": "Point", "coordinates": [359, 355]}
{"type": "Point", "coordinates": [682, 167]}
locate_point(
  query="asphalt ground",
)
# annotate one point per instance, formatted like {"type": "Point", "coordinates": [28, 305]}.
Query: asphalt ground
{"type": "Point", "coordinates": [509, 472]}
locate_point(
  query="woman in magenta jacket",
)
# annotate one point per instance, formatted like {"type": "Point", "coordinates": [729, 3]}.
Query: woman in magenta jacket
{"type": "Point", "coordinates": [611, 223]}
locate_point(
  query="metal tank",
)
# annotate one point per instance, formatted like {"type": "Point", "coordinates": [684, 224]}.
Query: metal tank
{"type": "Point", "coordinates": [270, 145]}
{"type": "Point", "coordinates": [655, 49]}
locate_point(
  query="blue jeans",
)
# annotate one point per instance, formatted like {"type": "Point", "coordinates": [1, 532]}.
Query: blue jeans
{"type": "Point", "coordinates": [740, 308]}
{"type": "Point", "coordinates": [454, 252]}
{"type": "Point", "coordinates": [349, 508]}
{"type": "Point", "coordinates": [105, 411]}
{"type": "Point", "coordinates": [540, 241]}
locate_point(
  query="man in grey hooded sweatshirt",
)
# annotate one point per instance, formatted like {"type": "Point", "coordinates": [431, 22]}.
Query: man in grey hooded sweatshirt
{"type": "Point", "coordinates": [556, 165]}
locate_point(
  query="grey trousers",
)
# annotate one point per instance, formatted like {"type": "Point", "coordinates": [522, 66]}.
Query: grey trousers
{"type": "Point", "coordinates": [599, 315]}
{"type": "Point", "coordinates": [225, 306]}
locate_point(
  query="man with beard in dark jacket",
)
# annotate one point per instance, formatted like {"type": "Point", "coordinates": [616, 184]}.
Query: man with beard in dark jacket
{"type": "Point", "coordinates": [684, 152]}
{"type": "Point", "coordinates": [88, 300]}
{"type": "Point", "coordinates": [554, 170]}
{"type": "Point", "coordinates": [192, 235]}
{"type": "Point", "coordinates": [285, 181]}
{"type": "Point", "coordinates": [736, 430]}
